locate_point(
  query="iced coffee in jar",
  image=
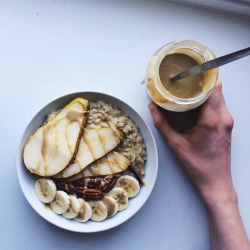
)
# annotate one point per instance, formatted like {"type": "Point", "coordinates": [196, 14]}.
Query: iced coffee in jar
{"type": "Point", "coordinates": [172, 59]}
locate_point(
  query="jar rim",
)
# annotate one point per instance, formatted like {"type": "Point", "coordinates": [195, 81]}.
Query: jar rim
{"type": "Point", "coordinates": [184, 45]}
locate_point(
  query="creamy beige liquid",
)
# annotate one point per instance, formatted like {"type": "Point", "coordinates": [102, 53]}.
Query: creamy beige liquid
{"type": "Point", "coordinates": [174, 64]}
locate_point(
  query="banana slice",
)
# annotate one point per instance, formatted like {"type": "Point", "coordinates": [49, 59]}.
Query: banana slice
{"type": "Point", "coordinates": [99, 210]}
{"type": "Point", "coordinates": [85, 211]}
{"type": "Point", "coordinates": [45, 190]}
{"type": "Point", "coordinates": [129, 184]}
{"type": "Point", "coordinates": [111, 205]}
{"type": "Point", "coordinates": [74, 208]}
{"type": "Point", "coordinates": [61, 202]}
{"type": "Point", "coordinates": [120, 196]}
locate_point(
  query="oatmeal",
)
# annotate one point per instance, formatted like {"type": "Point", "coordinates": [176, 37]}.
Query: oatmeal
{"type": "Point", "coordinates": [103, 114]}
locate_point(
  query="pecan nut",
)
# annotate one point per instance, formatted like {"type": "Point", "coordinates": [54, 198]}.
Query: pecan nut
{"type": "Point", "coordinates": [78, 183]}
{"type": "Point", "coordinates": [68, 188]}
{"type": "Point", "coordinates": [95, 183]}
{"type": "Point", "coordinates": [80, 192]}
{"type": "Point", "coordinates": [109, 183]}
{"type": "Point", "coordinates": [93, 194]}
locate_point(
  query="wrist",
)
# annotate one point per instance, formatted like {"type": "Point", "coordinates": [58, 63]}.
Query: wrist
{"type": "Point", "coordinates": [226, 227]}
{"type": "Point", "coordinates": [219, 196]}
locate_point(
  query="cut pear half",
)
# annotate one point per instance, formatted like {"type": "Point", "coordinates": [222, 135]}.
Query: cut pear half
{"type": "Point", "coordinates": [111, 163]}
{"type": "Point", "coordinates": [53, 146]}
{"type": "Point", "coordinates": [94, 144]}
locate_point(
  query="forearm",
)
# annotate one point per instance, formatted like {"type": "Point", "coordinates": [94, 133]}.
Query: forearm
{"type": "Point", "coordinates": [225, 224]}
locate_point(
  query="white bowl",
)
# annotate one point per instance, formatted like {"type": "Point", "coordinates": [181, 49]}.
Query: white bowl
{"type": "Point", "coordinates": [27, 181]}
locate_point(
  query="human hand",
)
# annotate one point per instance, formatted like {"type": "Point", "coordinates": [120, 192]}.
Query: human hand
{"type": "Point", "coordinates": [204, 151]}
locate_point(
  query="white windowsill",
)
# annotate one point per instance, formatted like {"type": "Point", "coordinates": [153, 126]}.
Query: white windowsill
{"type": "Point", "coordinates": [234, 6]}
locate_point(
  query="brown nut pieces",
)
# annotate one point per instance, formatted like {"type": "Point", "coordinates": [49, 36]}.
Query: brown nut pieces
{"type": "Point", "coordinates": [94, 189]}
{"type": "Point", "coordinates": [92, 194]}
{"type": "Point", "coordinates": [109, 183]}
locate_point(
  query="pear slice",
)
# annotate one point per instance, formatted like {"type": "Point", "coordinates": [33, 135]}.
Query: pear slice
{"type": "Point", "coordinates": [94, 144]}
{"type": "Point", "coordinates": [111, 163]}
{"type": "Point", "coordinates": [53, 146]}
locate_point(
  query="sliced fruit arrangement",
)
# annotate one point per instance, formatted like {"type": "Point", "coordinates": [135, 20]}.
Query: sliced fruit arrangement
{"type": "Point", "coordinates": [81, 169]}
{"type": "Point", "coordinates": [53, 146]}
{"type": "Point", "coordinates": [82, 201]}
{"type": "Point", "coordinates": [111, 163]}
{"type": "Point", "coordinates": [62, 148]}
{"type": "Point", "coordinates": [94, 144]}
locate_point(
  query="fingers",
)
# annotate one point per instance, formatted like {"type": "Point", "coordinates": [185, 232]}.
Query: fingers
{"type": "Point", "coordinates": [161, 123]}
{"type": "Point", "coordinates": [215, 111]}
{"type": "Point", "coordinates": [210, 110]}
{"type": "Point", "coordinates": [227, 117]}
{"type": "Point", "coordinates": [214, 101]}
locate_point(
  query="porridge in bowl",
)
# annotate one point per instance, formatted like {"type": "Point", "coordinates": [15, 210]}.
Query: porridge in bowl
{"type": "Point", "coordinates": [88, 159]}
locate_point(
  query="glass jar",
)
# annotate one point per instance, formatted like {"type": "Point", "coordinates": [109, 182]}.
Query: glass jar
{"type": "Point", "coordinates": [160, 94]}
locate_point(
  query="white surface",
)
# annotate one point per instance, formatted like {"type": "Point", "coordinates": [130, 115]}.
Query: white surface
{"type": "Point", "coordinates": [27, 181]}
{"type": "Point", "coordinates": [52, 48]}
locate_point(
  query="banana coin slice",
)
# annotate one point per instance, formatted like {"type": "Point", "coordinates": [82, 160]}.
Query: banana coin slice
{"type": "Point", "coordinates": [120, 196]}
{"type": "Point", "coordinates": [111, 205]}
{"type": "Point", "coordinates": [99, 210]}
{"type": "Point", "coordinates": [129, 184]}
{"type": "Point", "coordinates": [45, 190]}
{"type": "Point", "coordinates": [74, 208]}
{"type": "Point", "coordinates": [61, 202]}
{"type": "Point", "coordinates": [85, 211]}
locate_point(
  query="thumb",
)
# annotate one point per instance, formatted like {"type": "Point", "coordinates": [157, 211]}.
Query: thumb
{"type": "Point", "coordinates": [161, 123]}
